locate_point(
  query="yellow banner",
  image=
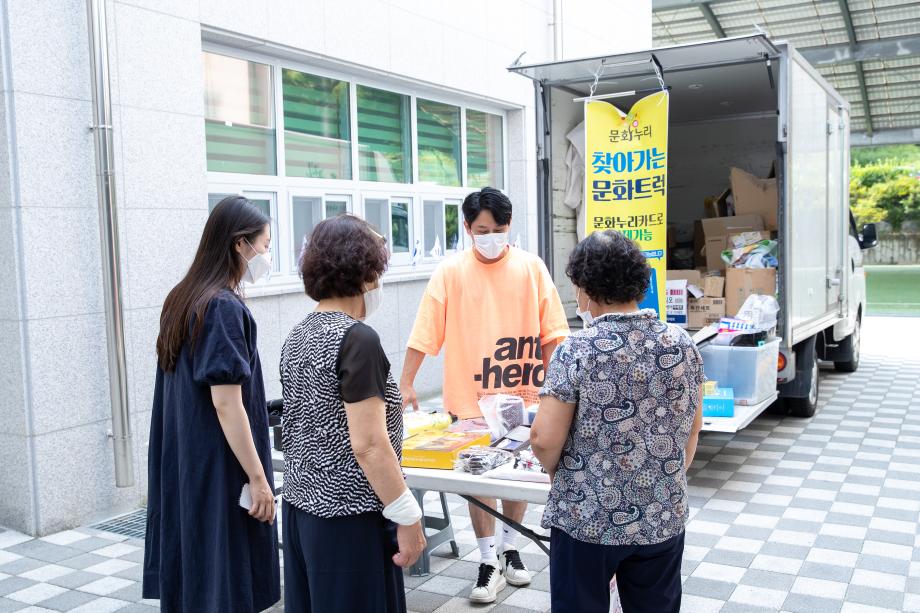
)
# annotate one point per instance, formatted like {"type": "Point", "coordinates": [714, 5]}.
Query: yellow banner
{"type": "Point", "coordinates": [626, 179]}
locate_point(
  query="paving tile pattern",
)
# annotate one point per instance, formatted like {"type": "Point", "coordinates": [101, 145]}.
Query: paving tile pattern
{"type": "Point", "coordinates": [799, 515]}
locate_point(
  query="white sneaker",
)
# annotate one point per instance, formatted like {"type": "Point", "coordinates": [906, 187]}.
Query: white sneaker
{"type": "Point", "coordinates": [488, 585]}
{"type": "Point", "coordinates": [513, 567]}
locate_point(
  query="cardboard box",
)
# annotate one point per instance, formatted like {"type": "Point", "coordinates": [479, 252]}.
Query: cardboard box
{"type": "Point", "coordinates": [718, 230]}
{"type": "Point", "coordinates": [440, 449]}
{"type": "Point", "coordinates": [713, 286]}
{"type": "Point", "coordinates": [718, 206]}
{"type": "Point", "coordinates": [755, 196]}
{"type": "Point", "coordinates": [704, 311]}
{"type": "Point", "coordinates": [692, 277]}
{"type": "Point", "coordinates": [676, 301]}
{"type": "Point", "coordinates": [742, 282]}
{"type": "Point", "coordinates": [699, 245]}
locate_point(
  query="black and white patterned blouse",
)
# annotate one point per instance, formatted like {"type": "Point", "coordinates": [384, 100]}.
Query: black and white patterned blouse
{"type": "Point", "coordinates": [621, 479]}
{"type": "Point", "coordinates": [329, 359]}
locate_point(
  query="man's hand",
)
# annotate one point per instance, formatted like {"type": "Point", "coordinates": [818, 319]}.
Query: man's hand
{"type": "Point", "coordinates": [408, 395]}
{"type": "Point", "coordinates": [411, 542]}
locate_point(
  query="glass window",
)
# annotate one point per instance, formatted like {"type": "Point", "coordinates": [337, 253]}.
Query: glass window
{"type": "Point", "coordinates": [239, 123]}
{"type": "Point", "coordinates": [438, 142]}
{"type": "Point", "coordinates": [377, 213]}
{"type": "Point", "coordinates": [452, 225]}
{"type": "Point", "coordinates": [392, 218]}
{"type": "Point", "coordinates": [433, 210]}
{"type": "Point", "coordinates": [317, 132]}
{"type": "Point", "coordinates": [214, 200]}
{"type": "Point", "coordinates": [306, 213]}
{"type": "Point", "coordinates": [399, 222]}
{"type": "Point", "coordinates": [384, 136]}
{"type": "Point", "coordinates": [484, 160]}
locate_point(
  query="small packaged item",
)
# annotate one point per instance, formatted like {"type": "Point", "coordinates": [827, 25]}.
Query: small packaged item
{"type": "Point", "coordinates": [515, 441]}
{"type": "Point", "coordinates": [478, 460]}
{"type": "Point", "coordinates": [720, 404]}
{"type": "Point", "coordinates": [709, 387]}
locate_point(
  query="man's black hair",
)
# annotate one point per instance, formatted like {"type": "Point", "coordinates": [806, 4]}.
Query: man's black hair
{"type": "Point", "coordinates": [487, 199]}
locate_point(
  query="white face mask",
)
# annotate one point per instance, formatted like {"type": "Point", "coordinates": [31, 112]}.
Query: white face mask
{"type": "Point", "coordinates": [491, 246]}
{"type": "Point", "coordinates": [258, 267]}
{"type": "Point", "coordinates": [585, 315]}
{"type": "Point", "coordinates": [372, 299]}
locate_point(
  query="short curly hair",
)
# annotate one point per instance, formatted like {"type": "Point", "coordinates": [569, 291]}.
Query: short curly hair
{"type": "Point", "coordinates": [340, 257]}
{"type": "Point", "coordinates": [610, 268]}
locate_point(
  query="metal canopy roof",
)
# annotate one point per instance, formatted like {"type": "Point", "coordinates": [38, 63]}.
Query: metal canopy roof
{"type": "Point", "coordinates": [869, 50]}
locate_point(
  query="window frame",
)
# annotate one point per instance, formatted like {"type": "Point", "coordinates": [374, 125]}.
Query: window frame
{"type": "Point", "coordinates": [355, 189]}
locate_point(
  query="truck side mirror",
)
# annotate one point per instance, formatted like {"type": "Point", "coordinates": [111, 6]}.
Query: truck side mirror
{"type": "Point", "coordinates": [868, 236]}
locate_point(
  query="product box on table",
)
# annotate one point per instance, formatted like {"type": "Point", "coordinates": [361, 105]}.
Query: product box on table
{"type": "Point", "coordinates": [719, 404]}
{"type": "Point", "coordinates": [439, 449]}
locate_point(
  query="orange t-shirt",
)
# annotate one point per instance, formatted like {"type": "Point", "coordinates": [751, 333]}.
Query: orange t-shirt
{"type": "Point", "coordinates": [492, 320]}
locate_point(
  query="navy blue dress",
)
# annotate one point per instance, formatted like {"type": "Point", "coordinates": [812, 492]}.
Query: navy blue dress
{"type": "Point", "coordinates": [204, 553]}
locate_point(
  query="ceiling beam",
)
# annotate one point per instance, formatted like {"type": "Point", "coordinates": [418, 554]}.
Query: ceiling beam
{"type": "Point", "coordinates": [712, 20]}
{"type": "Point", "coordinates": [882, 49]}
{"type": "Point", "coordinates": [900, 136]}
{"type": "Point", "coordinates": [860, 76]}
{"type": "Point", "coordinates": [663, 5]}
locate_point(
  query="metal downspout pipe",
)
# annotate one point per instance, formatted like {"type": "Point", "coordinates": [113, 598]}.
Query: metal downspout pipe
{"type": "Point", "coordinates": [108, 230]}
{"type": "Point", "coordinates": [557, 30]}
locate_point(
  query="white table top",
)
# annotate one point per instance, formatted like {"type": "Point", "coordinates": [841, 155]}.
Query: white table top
{"type": "Point", "coordinates": [455, 482]}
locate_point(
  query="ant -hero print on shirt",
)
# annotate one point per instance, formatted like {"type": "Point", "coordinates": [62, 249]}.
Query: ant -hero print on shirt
{"type": "Point", "coordinates": [492, 320]}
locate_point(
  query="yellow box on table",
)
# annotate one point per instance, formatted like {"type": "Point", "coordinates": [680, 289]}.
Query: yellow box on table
{"type": "Point", "coordinates": [439, 449]}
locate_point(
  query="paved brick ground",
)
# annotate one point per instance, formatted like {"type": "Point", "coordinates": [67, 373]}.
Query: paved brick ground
{"type": "Point", "coordinates": [810, 516]}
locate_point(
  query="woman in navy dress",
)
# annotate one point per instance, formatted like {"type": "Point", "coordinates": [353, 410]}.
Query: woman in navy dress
{"type": "Point", "coordinates": [209, 432]}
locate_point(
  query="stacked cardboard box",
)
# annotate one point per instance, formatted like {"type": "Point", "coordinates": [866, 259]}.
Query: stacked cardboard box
{"type": "Point", "coordinates": [694, 301]}
{"type": "Point", "coordinates": [749, 206]}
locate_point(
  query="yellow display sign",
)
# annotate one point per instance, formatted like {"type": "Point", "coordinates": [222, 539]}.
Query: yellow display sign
{"type": "Point", "coordinates": [626, 179]}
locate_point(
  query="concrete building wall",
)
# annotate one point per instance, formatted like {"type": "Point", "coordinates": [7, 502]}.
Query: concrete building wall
{"type": "Point", "coordinates": [54, 406]}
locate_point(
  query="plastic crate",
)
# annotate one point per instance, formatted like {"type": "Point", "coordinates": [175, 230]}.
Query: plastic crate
{"type": "Point", "coordinates": [749, 371]}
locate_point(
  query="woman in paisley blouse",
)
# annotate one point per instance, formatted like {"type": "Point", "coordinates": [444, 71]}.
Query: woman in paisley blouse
{"type": "Point", "coordinates": [350, 523]}
{"type": "Point", "coordinates": [619, 420]}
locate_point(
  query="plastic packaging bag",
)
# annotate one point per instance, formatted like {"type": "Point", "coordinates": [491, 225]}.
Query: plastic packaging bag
{"type": "Point", "coordinates": [478, 460]}
{"type": "Point", "coordinates": [415, 422]}
{"type": "Point", "coordinates": [757, 315]}
{"type": "Point", "coordinates": [757, 255]}
{"type": "Point", "coordinates": [502, 413]}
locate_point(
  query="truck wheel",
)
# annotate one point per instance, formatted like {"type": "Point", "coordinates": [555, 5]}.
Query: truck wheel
{"type": "Point", "coordinates": [850, 346]}
{"type": "Point", "coordinates": [807, 405]}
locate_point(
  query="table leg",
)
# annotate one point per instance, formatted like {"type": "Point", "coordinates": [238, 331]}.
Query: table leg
{"type": "Point", "coordinates": [539, 539]}
{"type": "Point", "coordinates": [443, 533]}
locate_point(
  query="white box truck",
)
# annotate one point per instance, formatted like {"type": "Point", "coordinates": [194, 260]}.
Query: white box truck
{"type": "Point", "coordinates": [745, 102]}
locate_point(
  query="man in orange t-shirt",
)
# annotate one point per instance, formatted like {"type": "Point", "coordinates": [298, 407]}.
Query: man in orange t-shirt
{"type": "Point", "coordinates": [495, 311]}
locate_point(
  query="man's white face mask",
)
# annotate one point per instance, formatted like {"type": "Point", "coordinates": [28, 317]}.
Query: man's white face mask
{"type": "Point", "coordinates": [491, 246]}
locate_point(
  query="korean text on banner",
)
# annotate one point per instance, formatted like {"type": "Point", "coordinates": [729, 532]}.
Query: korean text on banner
{"type": "Point", "coordinates": [626, 173]}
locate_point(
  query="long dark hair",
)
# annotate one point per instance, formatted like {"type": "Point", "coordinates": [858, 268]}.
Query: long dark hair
{"type": "Point", "coordinates": [216, 266]}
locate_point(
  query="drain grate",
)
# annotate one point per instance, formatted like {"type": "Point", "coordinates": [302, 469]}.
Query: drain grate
{"type": "Point", "coordinates": [133, 524]}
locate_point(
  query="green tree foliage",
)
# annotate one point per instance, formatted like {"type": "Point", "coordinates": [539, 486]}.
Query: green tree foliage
{"type": "Point", "coordinates": [885, 184]}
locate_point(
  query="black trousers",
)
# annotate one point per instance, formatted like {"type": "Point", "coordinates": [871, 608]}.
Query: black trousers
{"type": "Point", "coordinates": [648, 576]}
{"type": "Point", "coordinates": [340, 564]}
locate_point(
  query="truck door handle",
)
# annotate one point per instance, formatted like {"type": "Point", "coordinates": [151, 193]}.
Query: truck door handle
{"type": "Point", "coordinates": [835, 282]}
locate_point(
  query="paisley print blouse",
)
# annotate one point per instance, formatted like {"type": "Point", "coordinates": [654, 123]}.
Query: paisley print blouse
{"type": "Point", "coordinates": [635, 382]}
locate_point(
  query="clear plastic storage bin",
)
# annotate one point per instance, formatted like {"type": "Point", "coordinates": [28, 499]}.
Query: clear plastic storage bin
{"type": "Point", "coordinates": [749, 371]}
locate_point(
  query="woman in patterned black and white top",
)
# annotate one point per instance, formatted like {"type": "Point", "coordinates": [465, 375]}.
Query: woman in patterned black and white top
{"type": "Point", "coordinates": [617, 428]}
{"type": "Point", "coordinates": [349, 521]}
